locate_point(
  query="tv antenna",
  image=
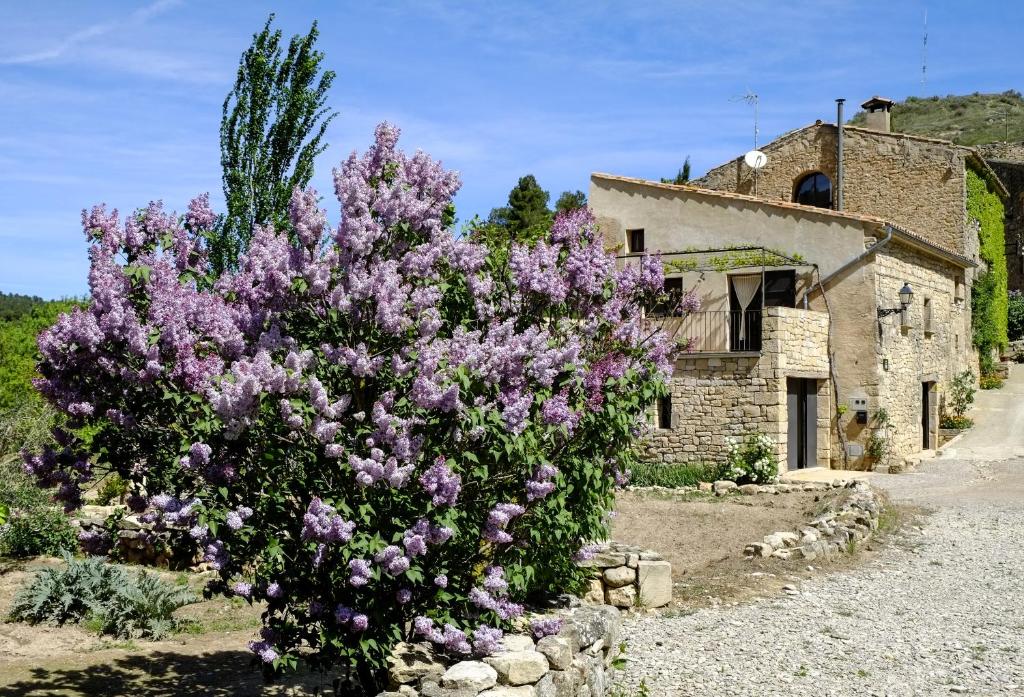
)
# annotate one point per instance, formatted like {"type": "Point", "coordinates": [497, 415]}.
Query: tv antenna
{"type": "Point", "coordinates": [924, 53]}
{"type": "Point", "coordinates": [752, 99]}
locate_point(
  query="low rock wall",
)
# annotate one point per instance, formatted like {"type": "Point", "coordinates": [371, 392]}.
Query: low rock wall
{"type": "Point", "coordinates": [577, 662]}
{"type": "Point", "coordinates": [854, 520]}
{"type": "Point", "coordinates": [628, 576]}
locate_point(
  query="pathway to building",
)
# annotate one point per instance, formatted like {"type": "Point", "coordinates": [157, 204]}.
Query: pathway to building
{"type": "Point", "coordinates": [940, 611]}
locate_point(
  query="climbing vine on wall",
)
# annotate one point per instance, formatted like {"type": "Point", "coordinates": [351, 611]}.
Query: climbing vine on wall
{"type": "Point", "coordinates": [733, 259]}
{"type": "Point", "coordinates": [989, 299]}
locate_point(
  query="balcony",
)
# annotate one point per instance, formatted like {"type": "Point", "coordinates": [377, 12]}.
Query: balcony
{"type": "Point", "coordinates": [716, 331]}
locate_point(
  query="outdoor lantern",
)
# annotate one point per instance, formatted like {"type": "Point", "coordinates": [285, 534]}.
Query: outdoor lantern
{"type": "Point", "coordinates": [906, 294]}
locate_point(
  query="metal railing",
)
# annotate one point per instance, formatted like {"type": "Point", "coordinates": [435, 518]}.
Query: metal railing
{"type": "Point", "coordinates": [716, 331]}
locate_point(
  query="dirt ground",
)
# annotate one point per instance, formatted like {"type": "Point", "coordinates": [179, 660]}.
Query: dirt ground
{"type": "Point", "coordinates": [703, 536]}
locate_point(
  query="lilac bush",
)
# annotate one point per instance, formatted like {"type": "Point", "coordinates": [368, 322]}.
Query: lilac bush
{"type": "Point", "coordinates": [381, 430]}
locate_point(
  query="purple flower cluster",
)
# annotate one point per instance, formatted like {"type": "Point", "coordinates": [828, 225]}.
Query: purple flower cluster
{"type": "Point", "coordinates": [236, 518]}
{"type": "Point", "coordinates": [451, 638]}
{"type": "Point", "coordinates": [321, 523]}
{"type": "Point", "coordinates": [492, 595]}
{"type": "Point", "coordinates": [355, 621]}
{"type": "Point", "coordinates": [545, 626]}
{"type": "Point", "coordinates": [541, 483]}
{"type": "Point", "coordinates": [359, 572]}
{"type": "Point", "coordinates": [392, 560]}
{"type": "Point", "coordinates": [498, 519]}
{"type": "Point", "coordinates": [441, 483]}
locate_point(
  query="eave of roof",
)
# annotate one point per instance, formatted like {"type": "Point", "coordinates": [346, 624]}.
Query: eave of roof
{"type": "Point", "coordinates": [900, 232]}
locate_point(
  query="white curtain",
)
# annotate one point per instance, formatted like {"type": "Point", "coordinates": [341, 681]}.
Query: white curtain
{"type": "Point", "coordinates": [746, 288]}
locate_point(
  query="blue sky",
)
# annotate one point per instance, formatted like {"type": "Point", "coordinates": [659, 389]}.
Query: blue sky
{"type": "Point", "coordinates": [120, 102]}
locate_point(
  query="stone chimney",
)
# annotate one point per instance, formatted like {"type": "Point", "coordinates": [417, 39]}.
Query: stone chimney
{"type": "Point", "coordinates": [878, 114]}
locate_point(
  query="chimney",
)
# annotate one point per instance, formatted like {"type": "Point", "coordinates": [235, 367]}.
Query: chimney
{"type": "Point", "coordinates": [878, 114]}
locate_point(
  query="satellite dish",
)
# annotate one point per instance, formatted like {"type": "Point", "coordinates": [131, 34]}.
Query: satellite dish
{"type": "Point", "coordinates": [755, 159]}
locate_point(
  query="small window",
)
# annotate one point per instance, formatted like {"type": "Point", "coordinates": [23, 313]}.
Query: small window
{"type": "Point", "coordinates": [670, 305]}
{"type": "Point", "coordinates": [927, 316]}
{"type": "Point", "coordinates": [958, 288]}
{"type": "Point", "coordinates": [635, 241]}
{"type": "Point", "coordinates": [665, 412]}
{"type": "Point", "coordinates": [815, 189]}
{"type": "Point", "coordinates": [780, 289]}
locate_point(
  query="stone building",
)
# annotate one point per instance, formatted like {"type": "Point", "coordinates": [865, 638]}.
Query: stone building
{"type": "Point", "coordinates": [802, 334]}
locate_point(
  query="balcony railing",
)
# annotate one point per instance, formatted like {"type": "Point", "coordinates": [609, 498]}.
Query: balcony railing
{"type": "Point", "coordinates": [716, 331]}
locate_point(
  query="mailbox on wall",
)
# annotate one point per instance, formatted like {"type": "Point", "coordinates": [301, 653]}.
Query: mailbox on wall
{"type": "Point", "coordinates": [859, 405]}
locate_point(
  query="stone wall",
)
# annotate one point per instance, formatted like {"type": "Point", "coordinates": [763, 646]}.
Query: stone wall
{"type": "Point", "coordinates": [914, 354]}
{"type": "Point", "coordinates": [917, 183]}
{"type": "Point", "coordinates": [576, 662]}
{"type": "Point", "coordinates": [730, 395]}
{"type": "Point", "coordinates": [627, 576]}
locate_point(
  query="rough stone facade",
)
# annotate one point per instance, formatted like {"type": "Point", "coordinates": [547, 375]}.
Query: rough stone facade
{"type": "Point", "coordinates": [915, 350]}
{"type": "Point", "coordinates": [918, 183]}
{"type": "Point", "coordinates": [723, 395]}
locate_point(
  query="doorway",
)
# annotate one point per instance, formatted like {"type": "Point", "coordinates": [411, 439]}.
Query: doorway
{"type": "Point", "coordinates": [802, 413]}
{"type": "Point", "coordinates": [926, 415]}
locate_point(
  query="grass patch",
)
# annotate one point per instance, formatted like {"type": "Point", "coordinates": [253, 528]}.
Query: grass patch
{"type": "Point", "coordinates": [672, 475]}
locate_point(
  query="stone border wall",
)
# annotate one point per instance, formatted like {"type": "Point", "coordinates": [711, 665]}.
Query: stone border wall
{"type": "Point", "coordinates": [629, 576]}
{"type": "Point", "coordinates": [577, 662]}
{"type": "Point", "coordinates": [830, 534]}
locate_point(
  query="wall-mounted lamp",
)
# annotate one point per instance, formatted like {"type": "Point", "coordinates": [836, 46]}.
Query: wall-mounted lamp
{"type": "Point", "coordinates": [906, 295]}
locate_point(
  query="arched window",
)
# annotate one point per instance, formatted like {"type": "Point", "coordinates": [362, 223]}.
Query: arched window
{"type": "Point", "coordinates": [815, 189]}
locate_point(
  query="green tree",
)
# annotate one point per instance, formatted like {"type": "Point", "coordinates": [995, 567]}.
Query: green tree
{"type": "Point", "coordinates": [272, 129]}
{"type": "Point", "coordinates": [570, 201]}
{"type": "Point", "coordinates": [527, 208]}
{"type": "Point", "coordinates": [682, 176]}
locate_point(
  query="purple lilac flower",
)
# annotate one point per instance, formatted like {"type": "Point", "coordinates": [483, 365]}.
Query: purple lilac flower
{"type": "Point", "coordinates": [498, 519]}
{"type": "Point", "coordinates": [265, 651]}
{"type": "Point", "coordinates": [359, 572]}
{"type": "Point", "coordinates": [274, 590]}
{"type": "Point", "coordinates": [322, 523]}
{"type": "Point", "coordinates": [441, 581]}
{"type": "Point", "coordinates": [486, 640]}
{"type": "Point", "coordinates": [359, 623]}
{"type": "Point", "coordinates": [392, 560]}
{"type": "Point", "coordinates": [403, 596]}
{"type": "Point", "coordinates": [587, 552]}
{"type": "Point", "coordinates": [242, 588]}
{"type": "Point", "coordinates": [546, 626]}
{"type": "Point", "coordinates": [441, 483]}
{"type": "Point", "coordinates": [540, 484]}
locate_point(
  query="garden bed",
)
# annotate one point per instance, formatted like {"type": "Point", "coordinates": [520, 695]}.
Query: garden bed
{"type": "Point", "coordinates": [704, 536]}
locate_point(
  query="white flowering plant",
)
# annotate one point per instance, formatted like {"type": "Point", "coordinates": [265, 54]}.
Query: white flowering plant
{"type": "Point", "coordinates": [751, 460]}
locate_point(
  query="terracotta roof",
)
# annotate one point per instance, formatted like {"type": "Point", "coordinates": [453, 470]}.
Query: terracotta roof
{"type": "Point", "coordinates": [900, 231]}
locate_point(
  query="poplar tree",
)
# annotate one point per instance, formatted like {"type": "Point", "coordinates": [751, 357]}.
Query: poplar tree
{"type": "Point", "coordinates": [271, 132]}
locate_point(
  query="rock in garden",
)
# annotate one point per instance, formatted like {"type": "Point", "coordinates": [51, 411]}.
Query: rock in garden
{"type": "Point", "coordinates": [619, 576]}
{"type": "Point", "coordinates": [595, 594]}
{"type": "Point", "coordinates": [411, 663]}
{"type": "Point", "coordinates": [750, 489]}
{"type": "Point", "coordinates": [518, 667]}
{"type": "Point", "coordinates": [517, 642]}
{"type": "Point", "coordinates": [506, 691]}
{"type": "Point", "coordinates": [723, 486]}
{"type": "Point", "coordinates": [473, 675]}
{"type": "Point", "coordinates": [558, 651]}
{"type": "Point", "coordinates": [621, 597]}
{"type": "Point", "coordinates": [654, 579]}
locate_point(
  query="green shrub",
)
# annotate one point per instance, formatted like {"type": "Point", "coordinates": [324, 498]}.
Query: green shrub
{"type": "Point", "coordinates": [1015, 316]}
{"type": "Point", "coordinates": [104, 596]}
{"type": "Point", "coordinates": [991, 382]}
{"type": "Point", "coordinates": [18, 351]}
{"type": "Point", "coordinates": [112, 490]}
{"type": "Point", "coordinates": [39, 531]}
{"type": "Point", "coordinates": [961, 394]}
{"type": "Point", "coordinates": [671, 475]}
{"type": "Point", "coordinates": [26, 426]}
{"type": "Point", "coordinates": [989, 296]}
{"type": "Point", "coordinates": [751, 460]}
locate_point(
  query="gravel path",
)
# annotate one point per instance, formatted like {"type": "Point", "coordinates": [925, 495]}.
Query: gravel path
{"type": "Point", "coordinates": [940, 611]}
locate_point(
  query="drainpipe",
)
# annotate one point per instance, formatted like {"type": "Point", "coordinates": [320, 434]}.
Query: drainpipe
{"type": "Point", "coordinates": [839, 154]}
{"type": "Point", "coordinates": [870, 250]}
